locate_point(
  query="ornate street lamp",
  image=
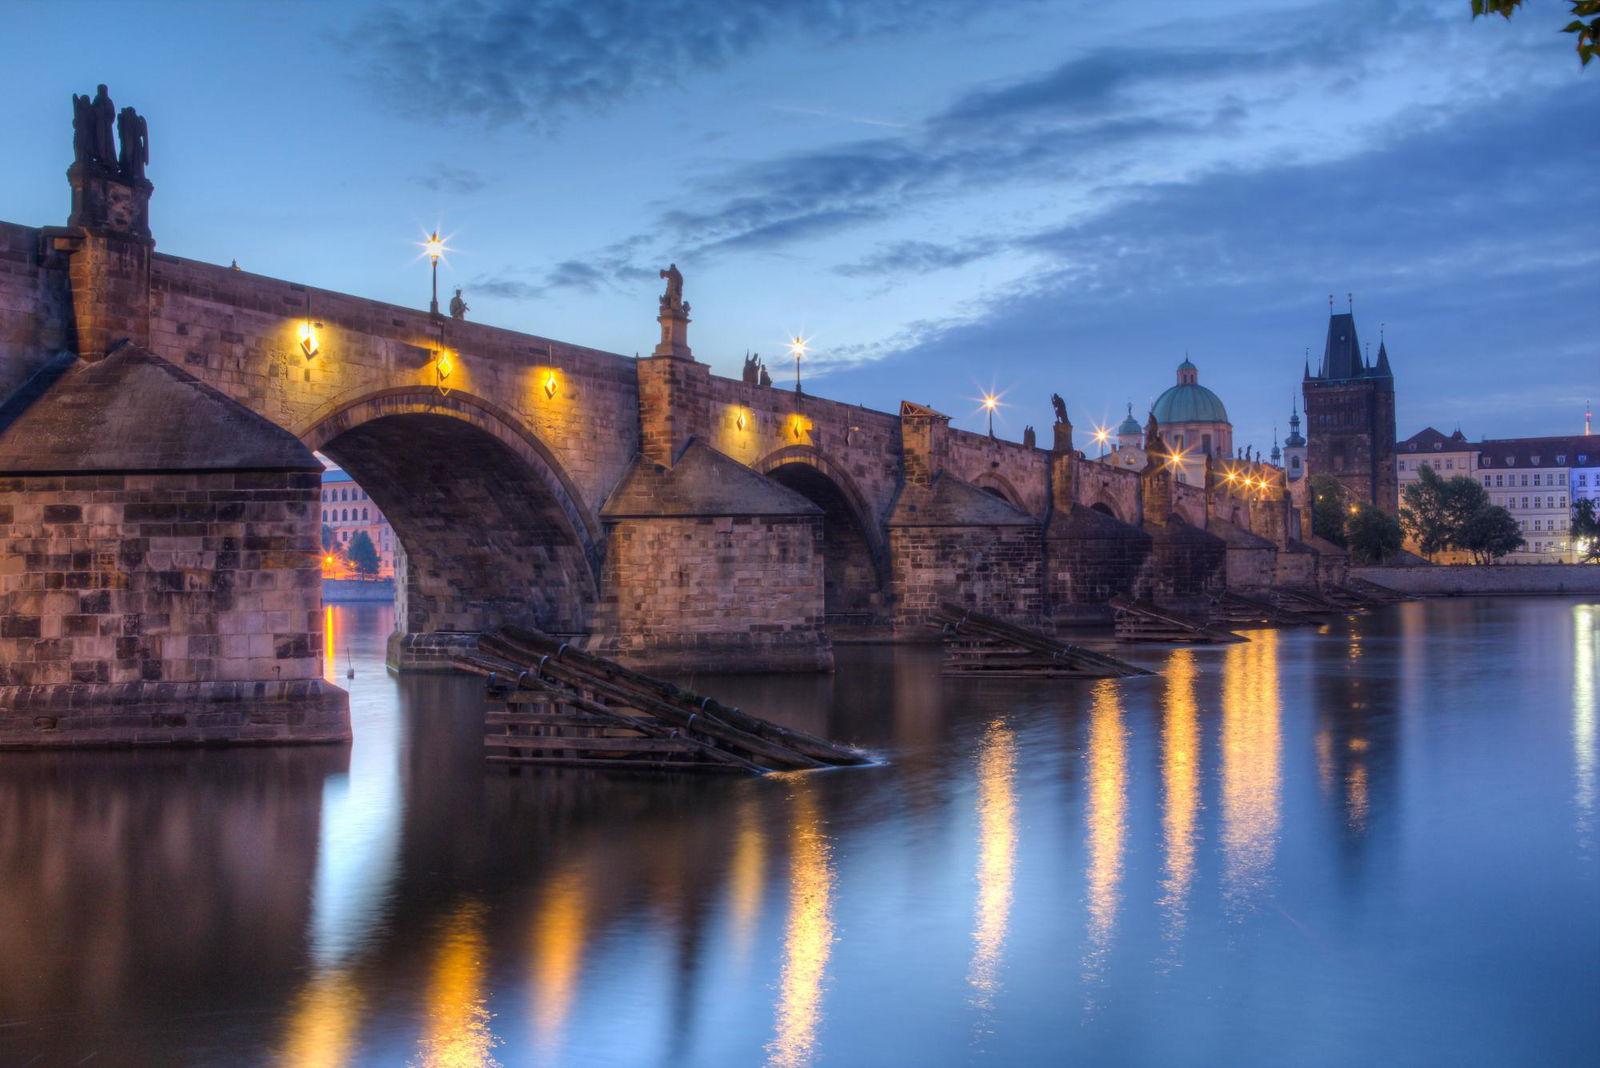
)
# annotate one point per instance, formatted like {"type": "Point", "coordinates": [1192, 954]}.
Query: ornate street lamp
{"type": "Point", "coordinates": [434, 248]}
{"type": "Point", "coordinates": [990, 403]}
{"type": "Point", "coordinates": [797, 348]}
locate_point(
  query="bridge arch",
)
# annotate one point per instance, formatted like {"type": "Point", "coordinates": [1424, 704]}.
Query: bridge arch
{"type": "Point", "coordinates": [493, 530]}
{"type": "Point", "coordinates": [996, 484]}
{"type": "Point", "coordinates": [855, 558]}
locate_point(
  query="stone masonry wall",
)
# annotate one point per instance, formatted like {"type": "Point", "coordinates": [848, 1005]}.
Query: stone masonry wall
{"type": "Point", "coordinates": [709, 593]}
{"type": "Point", "coordinates": [996, 570]}
{"type": "Point", "coordinates": [175, 593]}
{"type": "Point", "coordinates": [239, 333]}
{"type": "Point", "coordinates": [35, 306]}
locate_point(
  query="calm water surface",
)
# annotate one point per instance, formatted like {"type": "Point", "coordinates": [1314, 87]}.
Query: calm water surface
{"type": "Point", "coordinates": [1376, 843]}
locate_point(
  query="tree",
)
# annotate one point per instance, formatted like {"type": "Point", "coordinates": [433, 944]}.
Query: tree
{"type": "Point", "coordinates": [1327, 508]}
{"type": "Point", "coordinates": [1424, 512]}
{"type": "Point", "coordinates": [1373, 534]}
{"type": "Point", "coordinates": [1490, 534]}
{"type": "Point", "coordinates": [363, 554]}
{"type": "Point", "coordinates": [1586, 529]}
{"type": "Point", "coordinates": [1587, 34]}
{"type": "Point", "coordinates": [327, 537]}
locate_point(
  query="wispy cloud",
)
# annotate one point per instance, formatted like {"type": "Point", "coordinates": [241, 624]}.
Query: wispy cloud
{"type": "Point", "coordinates": [443, 178]}
{"type": "Point", "coordinates": [536, 63]}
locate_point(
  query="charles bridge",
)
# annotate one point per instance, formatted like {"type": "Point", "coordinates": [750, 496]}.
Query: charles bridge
{"type": "Point", "coordinates": [160, 519]}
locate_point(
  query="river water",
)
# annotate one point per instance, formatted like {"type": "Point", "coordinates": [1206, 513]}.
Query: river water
{"type": "Point", "coordinates": [1375, 842]}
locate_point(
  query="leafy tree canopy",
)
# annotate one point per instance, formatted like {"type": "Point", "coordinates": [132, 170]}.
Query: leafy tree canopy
{"type": "Point", "coordinates": [363, 554]}
{"type": "Point", "coordinates": [1586, 33]}
{"type": "Point", "coordinates": [1373, 534]}
{"type": "Point", "coordinates": [1327, 508]}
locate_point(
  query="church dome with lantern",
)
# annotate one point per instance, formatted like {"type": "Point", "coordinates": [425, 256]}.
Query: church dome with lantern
{"type": "Point", "coordinates": [1189, 401]}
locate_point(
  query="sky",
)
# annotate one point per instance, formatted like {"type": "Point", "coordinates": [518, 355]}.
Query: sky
{"type": "Point", "coordinates": [946, 196]}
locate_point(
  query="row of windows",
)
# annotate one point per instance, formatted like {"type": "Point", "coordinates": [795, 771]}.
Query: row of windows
{"type": "Point", "coordinates": [384, 542]}
{"type": "Point", "coordinates": [1539, 524]}
{"type": "Point", "coordinates": [344, 515]}
{"type": "Point", "coordinates": [348, 493]}
{"type": "Point", "coordinates": [1508, 501]}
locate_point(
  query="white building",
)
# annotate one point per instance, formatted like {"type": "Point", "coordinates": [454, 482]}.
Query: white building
{"type": "Point", "coordinates": [1532, 478]}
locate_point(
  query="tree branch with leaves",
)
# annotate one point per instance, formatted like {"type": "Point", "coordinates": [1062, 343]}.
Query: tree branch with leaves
{"type": "Point", "coordinates": [1586, 32]}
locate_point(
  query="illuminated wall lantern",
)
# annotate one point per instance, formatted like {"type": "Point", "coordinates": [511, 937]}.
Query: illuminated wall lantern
{"type": "Point", "coordinates": [739, 420]}
{"type": "Point", "coordinates": [797, 427]}
{"type": "Point", "coordinates": [550, 384]}
{"type": "Point", "coordinates": [443, 368]}
{"type": "Point", "coordinates": [308, 338]}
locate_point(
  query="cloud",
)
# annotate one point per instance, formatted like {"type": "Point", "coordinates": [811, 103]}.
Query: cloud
{"type": "Point", "coordinates": [607, 271]}
{"type": "Point", "coordinates": [1462, 234]}
{"type": "Point", "coordinates": [534, 63]}
{"type": "Point", "coordinates": [442, 178]}
{"type": "Point", "coordinates": [918, 257]}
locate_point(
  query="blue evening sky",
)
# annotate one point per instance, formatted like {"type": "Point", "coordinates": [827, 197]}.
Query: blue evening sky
{"type": "Point", "coordinates": [947, 195]}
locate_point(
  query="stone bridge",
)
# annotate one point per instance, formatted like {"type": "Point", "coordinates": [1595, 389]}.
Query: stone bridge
{"type": "Point", "coordinates": [160, 512]}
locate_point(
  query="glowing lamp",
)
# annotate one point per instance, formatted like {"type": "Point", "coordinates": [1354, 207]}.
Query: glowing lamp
{"type": "Point", "coordinates": [308, 338]}
{"type": "Point", "coordinates": [434, 247]}
{"type": "Point", "coordinates": [739, 420]}
{"type": "Point", "coordinates": [443, 368]}
{"type": "Point", "coordinates": [550, 385]}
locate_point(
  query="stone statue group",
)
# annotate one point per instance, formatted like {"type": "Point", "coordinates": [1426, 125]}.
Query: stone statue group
{"type": "Point", "coordinates": [755, 372]}
{"type": "Point", "coordinates": [93, 143]}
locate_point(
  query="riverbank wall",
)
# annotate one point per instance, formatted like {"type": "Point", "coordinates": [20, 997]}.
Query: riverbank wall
{"type": "Point", "coordinates": [1470, 580]}
{"type": "Point", "coordinates": [355, 591]}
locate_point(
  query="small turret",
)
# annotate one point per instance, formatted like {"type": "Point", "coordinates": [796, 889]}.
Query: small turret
{"type": "Point", "coordinates": [1294, 447]}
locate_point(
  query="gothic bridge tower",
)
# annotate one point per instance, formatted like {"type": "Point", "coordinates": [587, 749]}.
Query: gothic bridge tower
{"type": "Point", "coordinates": [1350, 417]}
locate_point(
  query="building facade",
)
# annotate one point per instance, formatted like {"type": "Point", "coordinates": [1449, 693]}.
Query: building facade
{"type": "Point", "coordinates": [1350, 417]}
{"type": "Point", "coordinates": [346, 511]}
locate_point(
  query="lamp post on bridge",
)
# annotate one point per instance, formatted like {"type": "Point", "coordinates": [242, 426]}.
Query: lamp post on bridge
{"type": "Point", "coordinates": [990, 403]}
{"type": "Point", "coordinates": [434, 249]}
{"type": "Point", "coordinates": [797, 347]}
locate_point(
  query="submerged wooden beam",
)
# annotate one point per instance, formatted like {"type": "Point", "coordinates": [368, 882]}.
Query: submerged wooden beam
{"type": "Point", "coordinates": [551, 704]}
{"type": "Point", "coordinates": [983, 645]}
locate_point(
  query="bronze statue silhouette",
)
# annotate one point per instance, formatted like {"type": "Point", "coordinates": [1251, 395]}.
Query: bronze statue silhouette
{"type": "Point", "coordinates": [1060, 406]}
{"type": "Point", "coordinates": [105, 117]}
{"type": "Point", "coordinates": [672, 299]}
{"type": "Point", "coordinates": [458, 307]}
{"type": "Point", "coordinates": [135, 136]}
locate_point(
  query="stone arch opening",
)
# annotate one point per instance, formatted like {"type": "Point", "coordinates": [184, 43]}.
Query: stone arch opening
{"type": "Point", "coordinates": [853, 572]}
{"type": "Point", "coordinates": [996, 485]}
{"type": "Point", "coordinates": [489, 529]}
{"type": "Point", "coordinates": [1103, 508]}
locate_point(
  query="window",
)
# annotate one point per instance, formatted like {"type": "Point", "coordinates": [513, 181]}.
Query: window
{"type": "Point", "coordinates": [1583, 480]}
{"type": "Point", "coordinates": [1436, 465]}
{"type": "Point", "coordinates": [1499, 480]}
{"type": "Point", "coordinates": [1449, 465]}
{"type": "Point", "coordinates": [1485, 480]}
{"type": "Point", "coordinates": [1538, 502]}
{"type": "Point", "coordinates": [1561, 459]}
{"type": "Point", "coordinates": [1402, 465]}
{"type": "Point", "coordinates": [345, 514]}
{"type": "Point", "coordinates": [1205, 444]}
{"type": "Point", "coordinates": [1563, 503]}
{"type": "Point", "coordinates": [1295, 463]}
{"type": "Point", "coordinates": [1524, 480]}
{"type": "Point", "coordinates": [363, 515]}
{"type": "Point", "coordinates": [1524, 502]}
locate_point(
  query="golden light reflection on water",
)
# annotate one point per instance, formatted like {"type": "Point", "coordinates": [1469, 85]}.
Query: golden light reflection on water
{"type": "Point", "coordinates": [456, 1030]}
{"type": "Point", "coordinates": [1250, 764]}
{"type": "Point", "coordinates": [747, 874]}
{"type": "Point", "coordinates": [327, 643]}
{"type": "Point", "coordinates": [1107, 816]}
{"type": "Point", "coordinates": [997, 857]}
{"type": "Point", "coordinates": [808, 936]}
{"type": "Point", "coordinates": [560, 929]}
{"type": "Point", "coordinates": [1180, 780]}
{"type": "Point", "coordinates": [323, 1022]}
{"type": "Point", "coordinates": [1585, 636]}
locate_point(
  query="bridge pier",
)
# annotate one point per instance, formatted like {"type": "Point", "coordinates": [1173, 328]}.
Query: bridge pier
{"type": "Point", "coordinates": [159, 572]}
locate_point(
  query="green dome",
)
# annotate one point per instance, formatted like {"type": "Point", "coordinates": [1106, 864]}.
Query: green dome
{"type": "Point", "coordinates": [1189, 403]}
{"type": "Point", "coordinates": [1130, 426]}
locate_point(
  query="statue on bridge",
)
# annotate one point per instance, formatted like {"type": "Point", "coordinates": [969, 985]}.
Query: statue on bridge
{"type": "Point", "coordinates": [458, 307]}
{"type": "Point", "coordinates": [1061, 408]}
{"type": "Point", "coordinates": [1028, 438]}
{"type": "Point", "coordinates": [92, 139]}
{"type": "Point", "coordinates": [134, 133]}
{"type": "Point", "coordinates": [752, 369]}
{"type": "Point", "coordinates": [672, 299]}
